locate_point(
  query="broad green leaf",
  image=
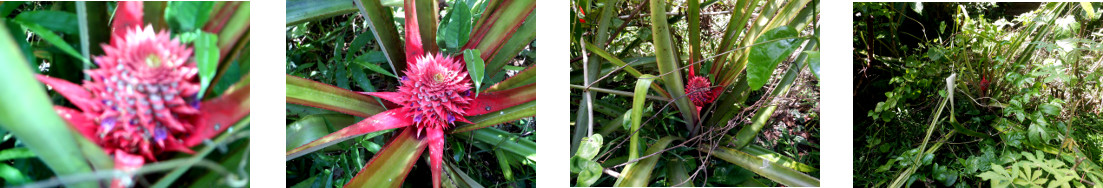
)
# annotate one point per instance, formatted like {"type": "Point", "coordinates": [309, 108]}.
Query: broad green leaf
{"type": "Point", "coordinates": [1089, 10]}
{"type": "Point", "coordinates": [59, 21]}
{"type": "Point", "coordinates": [206, 59]}
{"type": "Point", "coordinates": [475, 68]}
{"type": "Point", "coordinates": [188, 15]}
{"type": "Point", "coordinates": [54, 39]}
{"type": "Point", "coordinates": [776, 46]}
{"type": "Point", "coordinates": [455, 29]}
{"type": "Point", "coordinates": [1050, 108]}
{"type": "Point", "coordinates": [590, 147]}
{"type": "Point", "coordinates": [814, 62]}
{"type": "Point", "coordinates": [589, 171]}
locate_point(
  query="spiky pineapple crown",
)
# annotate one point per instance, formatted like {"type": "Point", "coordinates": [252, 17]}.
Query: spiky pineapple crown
{"type": "Point", "coordinates": [436, 91]}
{"type": "Point", "coordinates": [145, 82]}
{"type": "Point", "coordinates": [699, 90]}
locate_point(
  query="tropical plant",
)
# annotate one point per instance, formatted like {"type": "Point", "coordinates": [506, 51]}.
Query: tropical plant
{"type": "Point", "coordinates": [729, 70]}
{"type": "Point", "coordinates": [1022, 74]}
{"type": "Point", "coordinates": [453, 81]}
{"type": "Point", "coordinates": [152, 89]}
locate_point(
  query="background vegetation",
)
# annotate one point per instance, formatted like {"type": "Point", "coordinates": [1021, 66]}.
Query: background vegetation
{"type": "Point", "coordinates": [978, 95]}
{"type": "Point", "coordinates": [633, 125]}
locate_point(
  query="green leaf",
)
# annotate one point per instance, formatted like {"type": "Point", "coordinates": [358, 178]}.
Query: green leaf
{"type": "Point", "coordinates": [310, 93]}
{"type": "Point", "coordinates": [814, 62]}
{"type": "Point", "coordinates": [589, 172]}
{"type": "Point", "coordinates": [474, 67]}
{"type": "Point", "coordinates": [639, 174]}
{"type": "Point", "coordinates": [590, 147]}
{"type": "Point", "coordinates": [383, 26]}
{"type": "Point", "coordinates": [60, 21]}
{"type": "Point", "coordinates": [26, 103]}
{"type": "Point", "coordinates": [301, 11]}
{"type": "Point", "coordinates": [13, 176]}
{"type": "Point", "coordinates": [188, 15]}
{"type": "Point", "coordinates": [206, 59]}
{"type": "Point", "coordinates": [372, 66]}
{"type": "Point", "coordinates": [455, 29]}
{"type": "Point", "coordinates": [312, 127]}
{"type": "Point", "coordinates": [638, 99]}
{"type": "Point", "coordinates": [54, 39]}
{"type": "Point", "coordinates": [765, 57]}
{"type": "Point", "coordinates": [16, 153]}
{"type": "Point", "coordinates": [7, 7]}
{"type": "Point", "coordinates": [390, 167]}
{"type": "Point", "coordinates": [1050, 108]}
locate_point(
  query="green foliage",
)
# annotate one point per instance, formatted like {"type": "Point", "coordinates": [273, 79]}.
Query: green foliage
{"type": "Point", "coordinates": [636, 69]}
{"type": "Point", "coordinates": [475, 68]}
{"type": "Point", "coordinates": [188, 15]}
{"type": "Point", "coordinates": [206, 58]}
{"type": "Point", "coordinates": [765, 57]}
{"type": "Point", "coordinates": [1035, 63]}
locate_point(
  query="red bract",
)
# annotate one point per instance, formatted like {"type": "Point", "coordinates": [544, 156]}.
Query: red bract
{"type": "Point", "coordinates": [138, 98]}
{"type": "Point", "coordinates": [700, 91]}
{"type": "Point", "coordinates": [127, 15]}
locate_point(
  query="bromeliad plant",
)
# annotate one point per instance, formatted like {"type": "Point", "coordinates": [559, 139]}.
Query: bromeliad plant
{"type": "Point", "coordinates": [143, 98]}
{"type": "Point", "coordinates": [702, 97]}
{"type": "Point", "coordinates": [435, 96]}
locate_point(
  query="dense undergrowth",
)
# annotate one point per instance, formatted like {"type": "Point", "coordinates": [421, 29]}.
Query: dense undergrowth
{"type": "Point", "coordinates": [694, 93]}
{"type": "Point", "coordinates": [978, 94]}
